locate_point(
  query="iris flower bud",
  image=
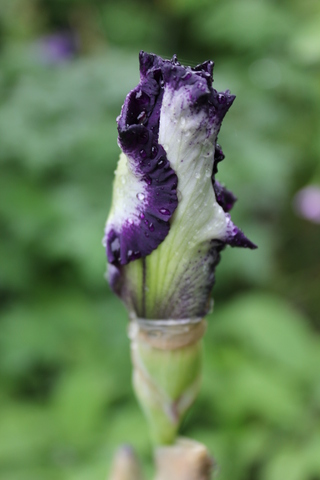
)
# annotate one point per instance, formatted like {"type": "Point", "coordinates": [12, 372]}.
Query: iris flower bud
{"type": "Point", "coordinates": [168, 223]}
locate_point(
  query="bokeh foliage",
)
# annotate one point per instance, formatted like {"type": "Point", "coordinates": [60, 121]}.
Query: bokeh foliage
{"type": "Point", "coordinates": [66, 400]}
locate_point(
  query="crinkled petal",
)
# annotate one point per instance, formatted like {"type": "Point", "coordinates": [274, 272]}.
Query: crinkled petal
{"type": "Point", "coordinates": [173, 116]}
{"type": "Point", "coordinates": [144, 195]}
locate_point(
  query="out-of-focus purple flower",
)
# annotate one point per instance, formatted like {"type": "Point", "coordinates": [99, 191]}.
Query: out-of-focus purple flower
{"type": "Point", "coordinates": [57, 48]}
{"type": "Point", "coordinates": [306, 203]}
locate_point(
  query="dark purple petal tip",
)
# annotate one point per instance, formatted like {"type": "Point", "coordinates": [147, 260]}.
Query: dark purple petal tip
{"type": "Point", "coordinates": [236, 238]}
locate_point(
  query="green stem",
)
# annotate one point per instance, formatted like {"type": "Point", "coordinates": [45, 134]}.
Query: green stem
{"type": "Point", "coordinates": [166, 377]}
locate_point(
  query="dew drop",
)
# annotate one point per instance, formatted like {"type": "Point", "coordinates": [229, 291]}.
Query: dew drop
{"type": "Point", "coordinates": [142, 215]}
{"type": "Point", "coordinates": [140, 196]}
{"type": "Point", "coordinates": [197, 176]}
{"type": "Point", "coordinates": [221, 98]}
{"type": "Point", "coordinates": [154, 151]}
{"type": "Point", "coordinates": [147, 179]}
{"type": "Point", "coordinates": [141, 117]}
{"type": "Point", "coordinates": [143, 153]}
{"type": "Point", "coordinates": [151, 227]}
{"type": "Point", "coordinates": [130, 221]}
{"type": "Point", "coordinates": [160, 163]}
{"type": "Point", "coordinates": [186, 76]}
{"type": "Point", "coordinates": [164, 211]}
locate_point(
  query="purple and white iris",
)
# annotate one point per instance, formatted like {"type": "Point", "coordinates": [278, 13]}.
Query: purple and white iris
{"type": "Point", "coordinates": [169, 218]}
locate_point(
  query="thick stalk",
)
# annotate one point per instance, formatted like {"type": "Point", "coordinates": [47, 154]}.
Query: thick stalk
{"type": "Point", "coordinates": [167, 358]}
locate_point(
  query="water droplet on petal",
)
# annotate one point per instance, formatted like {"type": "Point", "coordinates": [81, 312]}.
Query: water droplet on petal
{"type": "Point", "coordinates": [140, 196]}
{"type": "Point", "coordinates": [141, 117]}
{"type": "Point", "coordinates": [154, 151]}
{"type": "Point", "coordinates": [160, 163]}
{"type": "Point", "coordinates": [221, 98]}
{"type": "Point", "coordinates": [197, 176]}
{"type": "Point", "coordinates": [164, 211]}
{"type": "Point", "coordinates": [147, 179]}
{"type": "Point", "coordinates": [151, 227]}
{"type": "Point", "coordinates": [143, 153]}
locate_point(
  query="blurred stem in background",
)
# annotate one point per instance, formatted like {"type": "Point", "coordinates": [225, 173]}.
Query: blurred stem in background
{"type": "Point", "coordinates": [186, 460]}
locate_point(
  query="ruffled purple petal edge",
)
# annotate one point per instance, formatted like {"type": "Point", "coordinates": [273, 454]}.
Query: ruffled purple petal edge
{"type": "Point", "coordinates": [138, 128]}
{"type": "Point", "coordinates": [226, 199]}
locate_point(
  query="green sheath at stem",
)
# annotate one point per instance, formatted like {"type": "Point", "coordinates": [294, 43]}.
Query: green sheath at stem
{"type": "Point", "coordinates": [166, 373]}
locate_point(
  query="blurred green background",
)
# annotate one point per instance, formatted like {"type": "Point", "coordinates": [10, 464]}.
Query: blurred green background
{"type": "Point", "coordinates": [66, 400]}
